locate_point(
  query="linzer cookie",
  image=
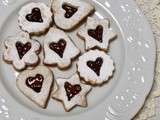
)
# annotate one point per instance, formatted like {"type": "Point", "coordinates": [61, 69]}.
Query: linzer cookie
{"type": "Point", "coordinates": [71, 92]}
{"type": "Point", "coordinates": [21, 51]}
{"type": "Point", "coordinates": [59, 49]}
{"type": "Point", "coordinates": [36, 84]}
{"type": "Point", "coordinates": [95, 67]}
{"type": "Point", "coordinates": [97, 33]}
{"type": "Point", "coordinates": [69, 13]}
{"type": "Point", "coordinates": [35, 18]}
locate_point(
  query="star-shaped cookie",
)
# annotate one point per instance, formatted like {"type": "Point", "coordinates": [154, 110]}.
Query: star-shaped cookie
{"type": "Point", "coordinates": [72, 92]}
{"type": "Point", "coordinates": [96, 33]}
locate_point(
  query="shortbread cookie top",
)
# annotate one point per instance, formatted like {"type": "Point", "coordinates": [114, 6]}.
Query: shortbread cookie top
{"type": "Point", "coordinates": [21, 50]}
{"type": "Point", "coordinates": [36, 84]}
{"type": "Point", "coordinates": [95, 67]}
{"type": "Point", "coordinates": [59, 49]}
{"type": "Point", "coordinates": [68, 13]}
{"type": "Point", "coordinates": [97, 33]}
{"type": "Point", "coordinates": [72, 92]}
{"type": "Point", "coordinates": [35, 17]}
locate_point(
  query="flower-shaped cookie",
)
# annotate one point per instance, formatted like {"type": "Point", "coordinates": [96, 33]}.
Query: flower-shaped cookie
{"type": "Point", "coordinates": [97, 33]}
{"type": "Point", "coordinates": [68, 13]}
{"type": "Point", "coordinates": [21, 51]}
{"type": "Point", "coordinates": [59, 49]}
{"type": "Point", "coordinates": [72, 92]}
{"type": "Point", "coordinates": [35, 18]}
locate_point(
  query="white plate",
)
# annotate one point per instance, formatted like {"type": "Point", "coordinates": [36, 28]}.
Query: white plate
{"type": "Point", "coordinates": [120, 99]}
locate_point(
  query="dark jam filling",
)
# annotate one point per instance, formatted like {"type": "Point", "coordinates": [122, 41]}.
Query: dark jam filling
{"type": "Point", "coordinates": [23, 48]}
{"type": "Point", "coordinates": [70, 10]}
{"type": "Point", "coordinates": [58, 47]}
{"type": "Point", "coordinates": [35, 83]}
{"type": "Point", "coordinates": [95, 65]}
{"type": "Point", "coordinates": [35, 16]}
{"type": "Point", "coordinates": [97, 33]}
{"type": "Point", "coordinates": [71, 90]}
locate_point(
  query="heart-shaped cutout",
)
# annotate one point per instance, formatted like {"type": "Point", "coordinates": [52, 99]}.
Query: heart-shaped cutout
{"type": "Point", "coordinates": [23, 48]}
{"type": "Point", "coordinates": [95, 65]}
{"type": "Point", "coordinates": [70, 10]}
{"type": "Point", "coordinates": [72, 90]}
{"type": "Point", "coordinates": [96, 33]}
{"type": "Point", "coordinates": [58, 47]}
{"type": "Point", "coordinates": [35, 83]}
{"type": "Point", "coordinates": [35, 16]}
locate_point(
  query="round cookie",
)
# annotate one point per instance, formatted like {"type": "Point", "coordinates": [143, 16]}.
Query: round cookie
{"type": "Point", "coordinates": [97, 33]}
{"type": "Point", "coordinates": [21, 51]}
{"type": "Point", "coordinates": [71, 92]}
{"type": "Point", "coordinates": [95, 67]}
{"type": "Point", "coordinates": [35, 18]}
{"type": "Point", "coordinates": [59, 49]}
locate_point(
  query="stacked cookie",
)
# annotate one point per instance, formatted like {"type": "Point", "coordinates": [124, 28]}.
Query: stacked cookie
{"type": "Point", "coordinates": [94, 67]}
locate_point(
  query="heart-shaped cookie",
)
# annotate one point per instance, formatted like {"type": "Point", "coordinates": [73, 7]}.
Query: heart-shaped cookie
{"type": "Point", "coordinates": [95, 65]}
{"type": "Point", "coordinates": [70, 12]}
{"type": "Point", "coordinates": [71, 90]}
{"type": "Point", "coordinates": [58, 47]}
{"type": "Point", "coordinates": [35, 15]}
{"type": "Point", "coordinates": [97, 33]}
{"type": "Point", "coordinates": [23, 48]}
{"type": "Point", "coordinates": [36, 84]}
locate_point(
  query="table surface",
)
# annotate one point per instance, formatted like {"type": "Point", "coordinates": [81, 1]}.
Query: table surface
{"type": "Point", "coordinates": [151, 109]}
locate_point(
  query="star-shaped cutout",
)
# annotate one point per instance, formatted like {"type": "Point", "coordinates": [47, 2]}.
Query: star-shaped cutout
{"type": "Point", "coordinates": [72, 92]}
{"type": "Point", "coordinates": [97, 33]}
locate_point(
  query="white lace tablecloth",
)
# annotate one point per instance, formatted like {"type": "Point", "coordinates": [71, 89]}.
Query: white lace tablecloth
{"type": "Point", "coordinates": [151, 109]}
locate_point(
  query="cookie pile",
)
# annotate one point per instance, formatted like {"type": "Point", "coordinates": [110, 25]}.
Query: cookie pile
{"type": "Point", "coordinates": [94, 67]}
